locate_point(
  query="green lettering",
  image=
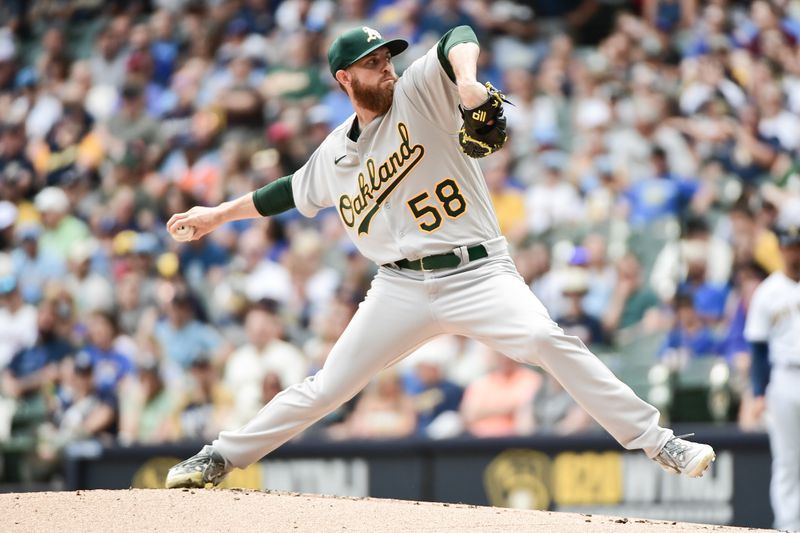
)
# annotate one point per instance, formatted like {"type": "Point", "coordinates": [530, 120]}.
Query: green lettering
{"type": "Point", "coordinates": [376, 184]}
{"type": "Point", "coordinates": [364, 188]}
{"type": "Point", "coordinates": [346, 210]}
{"type": "Point", "coordinates": [384, 174]}
{"type": "Point", "coordinates": [359, 204]}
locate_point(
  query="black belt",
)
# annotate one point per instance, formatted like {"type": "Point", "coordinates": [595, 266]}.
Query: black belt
{"type": "Point", "coordinates": [436, 262]}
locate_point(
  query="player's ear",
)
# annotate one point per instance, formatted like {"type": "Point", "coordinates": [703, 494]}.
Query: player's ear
{"type": "Point", "coordinates": [343, 77]}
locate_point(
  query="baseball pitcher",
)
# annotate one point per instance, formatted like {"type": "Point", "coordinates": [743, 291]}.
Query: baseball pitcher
{"type": "Point", "coordinates": [402, 174]}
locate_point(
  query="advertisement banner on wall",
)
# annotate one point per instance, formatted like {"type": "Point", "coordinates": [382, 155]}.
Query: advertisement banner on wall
{"type": "Point", "coordinates": [610, 483]}
{"type": "Point", "coordinates": [590, 475]}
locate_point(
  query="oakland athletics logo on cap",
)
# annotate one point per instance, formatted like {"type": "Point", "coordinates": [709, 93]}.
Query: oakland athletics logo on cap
{"type": "Point", "coordinates": [371, 34]}
{"type": "Point", "coordinates": [354, 44]}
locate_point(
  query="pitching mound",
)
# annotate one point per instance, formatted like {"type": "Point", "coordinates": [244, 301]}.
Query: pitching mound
{"type": "Point", "coordinates": [247, 510]}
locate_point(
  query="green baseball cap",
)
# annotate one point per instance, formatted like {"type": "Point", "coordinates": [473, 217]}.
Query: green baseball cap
{"type": "Point", "coordinates": [354, 44]}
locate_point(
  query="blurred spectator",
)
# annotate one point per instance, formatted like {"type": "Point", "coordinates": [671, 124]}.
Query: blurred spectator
{"type": "Point", "coordinates": [690, 337]}
{"type": "Point", "coordinates": [148, 409]}
{"type": "Point", "coordinates": [72, 149]}
{"type": "Point", "coordinates": [313, 283]}
{"type": "Point", "coordinates": [183, 338]}
{"type": "Point", "coordinates": [441, 15]}
{"type": "Point", "coordinates": [602, 277]}
{"type": "Point", "coordinates": [90, 290]}
{"type": "Point", "coordinates": [632, 301]}
{"type": "Point", "coordinates": [132, 132]}
{"type": "Point", "coordinates": [265, 353]}
{"type": "Point", "coordinates": [535, 266]}
{"type": "Point", "coordinates": [271, 385]}
{"type": "Point", "coordinates": [663, 195]}
{"type": "Point", "coordinates": [195, 168]}
{"type": "Point", "coordinates": [698, 259]}
{"type": "Point", "coordinates": [207, 405]}
{"type": "Point", "coordinates": [33, 268]}
{"type": "Point", "coordinates": [28, 382]}
{"type": "Point", "coordinates": [200, 260]}
{"type": "Point", "coordinates": [508, 200]}
{"type": "Point", "coordinates": [555, 412]}
{"type": "Point", "coordinates": [496, 405]}
{"type": "Point", "coordinates": [383, 410]}
{"type": "Point", "coordinates": [262, 276]}
{"type": "Point", "coordinates": [131, 302]}
{"type": "Point", "coordinates": [669, 15]}
{"type": "Point", "coordinates": [436, 399]}
{"type": "Point", "coordinates": [112, 369]}
{"type": "Point", "coordinates": [41, 108]}
{"type": "Point", "coordinates": [326, 327]}
{"type": "Point", "coordinates": [8, 216]}
{"type": "Point", "coordinates": [19, 178]}
{"type": "Point", "coordinates": [33, 369]}
{"type": "Point", "coordinates": [18, 328]}
{"type": "Point", "coordinates": [82, 411]}
{"type": "Point", "coordinates": [575, 321]}
{"type": "Point", "coordinates": [8, 59]}
{"type": "Point", "coordinates": [553, 202]}
{"type": "Point", "coordinates": [62, 231]}
{"type": "Point", "coordinates": [294, 78]}
{"type": "Point", "coordinates": [109, 59]}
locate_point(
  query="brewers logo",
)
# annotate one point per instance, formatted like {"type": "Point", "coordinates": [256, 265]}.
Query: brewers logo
{"type": "Point", "coordinates": [519, 479]}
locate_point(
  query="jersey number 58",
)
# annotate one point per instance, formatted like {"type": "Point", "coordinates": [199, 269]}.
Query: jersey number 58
{"type": "Point", "coordinates": [450, 201]}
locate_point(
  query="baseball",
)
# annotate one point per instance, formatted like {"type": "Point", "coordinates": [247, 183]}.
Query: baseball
{"type": "Point", "coordinates": [183, 233]}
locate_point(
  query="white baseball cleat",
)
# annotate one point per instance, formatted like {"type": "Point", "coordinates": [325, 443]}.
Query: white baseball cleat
{"type": "Point", "coordinates": [207, 466]}
{"type": "Point", "coordinates": [680, 456]}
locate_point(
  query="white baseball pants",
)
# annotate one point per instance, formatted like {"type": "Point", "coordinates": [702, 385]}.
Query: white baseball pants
{"type": "Point", "coordinates": [486, 300]}
{"type": "Point", "coordinates": [783, 425]}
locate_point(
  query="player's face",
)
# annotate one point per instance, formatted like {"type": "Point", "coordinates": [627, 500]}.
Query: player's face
{"type": "Point", "coordinates": [372, 81]}
{"type": "Point", "coordinates": [791, 257]}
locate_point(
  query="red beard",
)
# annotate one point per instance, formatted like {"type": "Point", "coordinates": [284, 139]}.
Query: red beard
{"type": "Point", "coordinates": [376, 99]}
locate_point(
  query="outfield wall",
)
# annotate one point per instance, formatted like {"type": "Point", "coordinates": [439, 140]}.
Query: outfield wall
{"type": "Point", "coordinates": [587, 473]}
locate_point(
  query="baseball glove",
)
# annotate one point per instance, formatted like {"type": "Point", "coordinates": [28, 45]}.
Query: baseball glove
{"type": "Point", "coordinates": [484, 128]}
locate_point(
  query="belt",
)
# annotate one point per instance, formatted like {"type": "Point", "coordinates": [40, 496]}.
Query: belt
{"type": "Point", "coordinates": [436, 262]}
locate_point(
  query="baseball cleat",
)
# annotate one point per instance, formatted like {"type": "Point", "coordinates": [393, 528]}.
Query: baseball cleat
{"type": "Point", "coordinates": [207, 466]}
{"type": "Point", "coordinates": [680, 456]}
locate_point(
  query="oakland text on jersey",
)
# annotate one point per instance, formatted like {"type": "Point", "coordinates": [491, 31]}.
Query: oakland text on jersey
{"type": "Point", "coordinates": [396, 166]}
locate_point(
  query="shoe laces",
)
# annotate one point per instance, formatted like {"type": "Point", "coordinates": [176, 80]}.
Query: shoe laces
{"type": "Point", "coordinates": [673, 453]}
{"type": "Point", "coordinates": [205, 461]}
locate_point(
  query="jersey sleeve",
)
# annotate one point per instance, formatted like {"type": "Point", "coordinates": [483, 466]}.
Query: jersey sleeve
{"type": "Point", "coordinates": [309, 185]}
{"type": "Point", "coordinates": [431, 92]}
{"type": "Point", "coordinates": [757, 328]}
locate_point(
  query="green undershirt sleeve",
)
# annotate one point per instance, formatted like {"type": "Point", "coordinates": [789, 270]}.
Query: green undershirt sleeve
{"type": "Point", "coordinates": [275, 197]}
{"type": "Point", "coordinates": [458, 35]}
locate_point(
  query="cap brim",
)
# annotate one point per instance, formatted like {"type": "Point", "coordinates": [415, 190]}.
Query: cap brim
{"type": "Point", "coordinates": [395, 46]}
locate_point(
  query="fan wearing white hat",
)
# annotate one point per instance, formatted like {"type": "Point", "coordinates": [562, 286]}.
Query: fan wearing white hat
{"type": "Point", "coordinates": [62, 230]}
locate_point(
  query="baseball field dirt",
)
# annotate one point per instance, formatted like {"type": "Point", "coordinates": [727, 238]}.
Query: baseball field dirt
{"type": "Point", "coordinates": [250, 511]}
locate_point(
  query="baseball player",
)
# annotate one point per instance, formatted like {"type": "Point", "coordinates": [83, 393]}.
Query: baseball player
{"type": "Point", "coordinates": [402, 174]}
{"type": "Point", "coordinates": [773, 323]}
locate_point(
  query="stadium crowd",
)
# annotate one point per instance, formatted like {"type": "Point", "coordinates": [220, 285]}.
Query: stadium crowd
{"type": "Point", "coordinates": [653, 143]}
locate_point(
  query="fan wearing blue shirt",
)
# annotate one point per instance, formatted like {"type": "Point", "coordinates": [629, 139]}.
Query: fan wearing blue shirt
{"type": "Point", "coordinates": [661, 196]}
{"type": "Point", "coordinates": [109, 366]}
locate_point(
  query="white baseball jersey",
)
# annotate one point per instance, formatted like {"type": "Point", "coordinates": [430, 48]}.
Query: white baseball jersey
{"type": "Point", "coordinates": [404, 189]}
{"type": "Point", "coordinates": [774, 316]}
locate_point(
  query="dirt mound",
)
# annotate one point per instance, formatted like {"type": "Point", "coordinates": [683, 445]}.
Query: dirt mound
{"type": "Point", "coordinates": [247, 510]}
